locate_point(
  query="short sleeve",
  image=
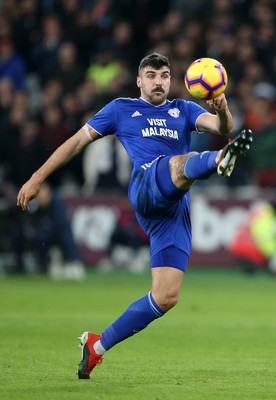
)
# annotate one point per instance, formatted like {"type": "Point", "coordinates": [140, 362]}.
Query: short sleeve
{"type": "Point", "coordinates": [195, 111]}
{"type": "Point", "coordinates": [105, 121]}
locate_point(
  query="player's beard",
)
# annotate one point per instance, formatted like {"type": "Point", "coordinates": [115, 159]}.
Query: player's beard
{"type": "Point", "coordinates": [158, 98]}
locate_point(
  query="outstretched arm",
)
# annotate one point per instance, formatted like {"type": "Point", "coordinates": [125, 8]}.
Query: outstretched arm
{"type": "Point", "coordinates": [221, 122]}
{"type": "Point", "coordinates": [60, 157]}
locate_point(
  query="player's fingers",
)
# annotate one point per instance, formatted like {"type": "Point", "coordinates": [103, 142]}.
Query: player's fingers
{"type": "Point", "coordinates": [218, 103]}
{"type": "Point", "coordinates": [221, 97]}
{"type": "Point", "coordinates": [24, 205]}
{"type": "Point", "coordinates": [18, 199]}
{"type": "Point", "coordinates": [22, 201]}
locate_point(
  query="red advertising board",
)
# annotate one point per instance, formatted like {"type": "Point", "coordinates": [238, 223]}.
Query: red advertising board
{"type": "Point", "coordinates": [214, 221]}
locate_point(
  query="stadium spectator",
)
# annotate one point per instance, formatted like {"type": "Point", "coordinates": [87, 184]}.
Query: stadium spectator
{"type": "Point", "coordinates": [44, 54]}
{"type": "Point", "coordinates": [71, 112]}
{"type": "Point", "coordinates": [53, 131]}
{"type": "Point", "coordinates": [189, 10]}
{"type": "Point", "coordinates": [82, 35]}
{"type": "Point", "coordinates": [69, 73]}
{"type": "Point", "coordinates": [66, 11]}
{"type": "Point", "coordinates": [106, 167]}
{"type": "Point", "coordinates": [10, 10]}
{"type": "Point", "coordinates": [50, 95]}
{"type": "Point", "coordinates": [123, 44]}
{"type": "Point", "coordinates": [153, 11]}
{"type": "Point", "coordinates": [45, 229]}
{"type": "Point", "coordinates": [6, 29]}
{"type": "Point", "coordinates": [6, 100]}
{"type": "Point", "coordinates": [101, 19]}
{"type": "Point", "coordinates": [26, 28]}
{"type": "Point", "coordinates": [23, 150]}
{"type": "Point", "coordinates": [88, 96]}
{"type": "Point", "coordinates": [13, 119]}
{"type": "Point", "coordinates": [12, 65]}
{"type": "Point", "coordinates": [104, 69]}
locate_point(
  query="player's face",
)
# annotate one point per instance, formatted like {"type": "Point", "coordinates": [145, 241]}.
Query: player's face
{"type": "Point", "coordinates": [154, 84]}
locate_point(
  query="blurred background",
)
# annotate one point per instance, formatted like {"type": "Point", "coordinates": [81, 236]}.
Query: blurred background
{"type": "Point", "coordinates": [60, 62]}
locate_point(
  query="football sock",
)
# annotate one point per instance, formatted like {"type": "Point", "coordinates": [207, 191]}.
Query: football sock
{"type": "Point", "coordinates": [201, 165]}
{"type": "Point", "coordinates": [138, 315]}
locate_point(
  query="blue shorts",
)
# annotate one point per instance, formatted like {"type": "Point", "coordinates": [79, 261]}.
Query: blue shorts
{"type": "Point", "coordinates": [170, 257]}
{"type": "Point", "coordinates": [166, 222]}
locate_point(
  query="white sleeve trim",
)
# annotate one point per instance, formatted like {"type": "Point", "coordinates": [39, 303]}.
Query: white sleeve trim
{"type": "Point", "coordinates": [86, 130]}
{"type": "Point", "coordinates": [206, 112]}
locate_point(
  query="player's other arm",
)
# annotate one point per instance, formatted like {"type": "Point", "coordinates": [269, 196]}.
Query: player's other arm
{"type": "Point", "coordinates": [62, 155]}
{"type": "Point", "coordinates": [220, 123]}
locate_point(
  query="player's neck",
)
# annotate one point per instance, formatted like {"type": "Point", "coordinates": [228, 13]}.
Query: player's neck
{"type": "Point", "coordinates": [155, 105]}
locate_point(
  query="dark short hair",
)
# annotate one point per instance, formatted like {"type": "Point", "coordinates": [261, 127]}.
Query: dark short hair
{"type": "Point", "coordinates": [154, 60]}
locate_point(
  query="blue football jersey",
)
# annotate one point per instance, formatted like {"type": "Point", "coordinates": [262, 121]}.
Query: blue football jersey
{"type": "Point", "coordinates": [147, 131]}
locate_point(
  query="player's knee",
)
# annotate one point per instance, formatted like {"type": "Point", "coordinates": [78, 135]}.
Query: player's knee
{"type": "Point", "coordinates": [167, 301]}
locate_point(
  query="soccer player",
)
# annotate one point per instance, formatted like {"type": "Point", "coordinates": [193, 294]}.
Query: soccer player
{"type": "Point", "coordinates": [156, 133]}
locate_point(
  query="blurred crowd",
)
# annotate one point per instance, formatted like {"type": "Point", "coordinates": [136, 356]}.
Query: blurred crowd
{"type": "Point", "coordinates": [62, 60]}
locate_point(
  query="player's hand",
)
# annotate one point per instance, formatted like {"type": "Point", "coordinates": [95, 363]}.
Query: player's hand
{"type": "Point", "coordinates": [28, 192]}
{"type": "Point", "coordinates": [219, 103]}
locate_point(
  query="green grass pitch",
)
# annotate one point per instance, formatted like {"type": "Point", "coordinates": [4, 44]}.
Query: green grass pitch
{"type": "Point", "coordinates": [218, 343]}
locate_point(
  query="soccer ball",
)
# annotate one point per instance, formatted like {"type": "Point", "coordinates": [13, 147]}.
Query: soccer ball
{"type": "Point", "coordinates": [205, 78]}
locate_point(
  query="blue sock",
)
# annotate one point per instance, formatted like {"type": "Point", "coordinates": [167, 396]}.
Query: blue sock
{"type": "Point", "coordinates": [201, 165]}
{"type": "Point", "coordinates": [138, 315]}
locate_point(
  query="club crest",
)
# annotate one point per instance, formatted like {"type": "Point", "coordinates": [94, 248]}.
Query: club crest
{"type": "Point", "coordinates": [174, 112]}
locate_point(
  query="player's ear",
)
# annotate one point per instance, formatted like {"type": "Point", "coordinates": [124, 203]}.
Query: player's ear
{"type": "Point", "coordinates": [138, 81]}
